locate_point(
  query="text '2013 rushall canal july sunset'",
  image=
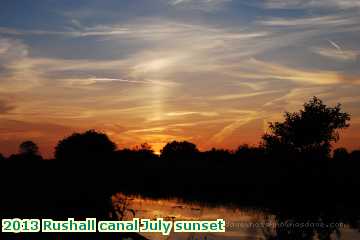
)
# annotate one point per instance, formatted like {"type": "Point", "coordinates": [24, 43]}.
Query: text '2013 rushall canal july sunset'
{"type": "Point", "coordinates": [92, 225]}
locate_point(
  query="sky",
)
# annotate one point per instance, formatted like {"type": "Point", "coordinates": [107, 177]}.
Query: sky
{"type": "Point", "coordinates": [213, 72]}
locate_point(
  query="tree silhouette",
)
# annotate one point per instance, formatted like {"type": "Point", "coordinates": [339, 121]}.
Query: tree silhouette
{"type": "Point", "coordinates": [355, 155]}
{"type": "Point", "coordinates": [144, 152]}
{"type": "Point", "coordinates": [217, 155]}
{"type": "Point", "coordinates": [87, 146]}
{"type": "Point", "coordinates": [183, 151]}
{"type": "Point", "coordinates": [28, 147]}
{"type": "Point", "coordinates": [341, 154]}
{"type": "Point", "coordinates": [307, 133]}
{"type": "Point", "coordinates": [28, 151]}
{"type": "Point", "coordinates": [246, 152]}
{"type": "Point", "coordinates": [2, 157]}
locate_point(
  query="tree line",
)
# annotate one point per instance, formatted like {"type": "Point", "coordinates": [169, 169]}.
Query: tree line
{"type": "Point", "coordinates": [304, 135]}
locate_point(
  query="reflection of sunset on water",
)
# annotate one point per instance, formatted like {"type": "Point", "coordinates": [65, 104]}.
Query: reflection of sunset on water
{"type": "Point", "coordinates": [173, 209]}
{"type": "Point", "coordinates": [241, 223]}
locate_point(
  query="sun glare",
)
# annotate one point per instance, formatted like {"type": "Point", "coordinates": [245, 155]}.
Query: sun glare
{"type": "Point", "coordinates": [153, 65]}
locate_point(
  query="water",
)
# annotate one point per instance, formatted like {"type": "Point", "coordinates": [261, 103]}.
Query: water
{"type": "Point", "coordinates": [247, 224]}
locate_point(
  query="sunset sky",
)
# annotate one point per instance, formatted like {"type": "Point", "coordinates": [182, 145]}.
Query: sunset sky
{"type": "Point", "coordinates": [213, 72]}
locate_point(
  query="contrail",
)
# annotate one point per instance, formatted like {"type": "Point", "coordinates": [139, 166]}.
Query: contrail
{"type": "Point", "coordinates": [335, 45]}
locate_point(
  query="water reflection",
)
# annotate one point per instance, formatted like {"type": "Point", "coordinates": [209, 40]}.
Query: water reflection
{"type": "Point", "coordinates": [240, 223]}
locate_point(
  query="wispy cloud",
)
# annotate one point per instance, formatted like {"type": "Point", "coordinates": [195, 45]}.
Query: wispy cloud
{"type": "Point", "coordinates": [11, 50]}
{"type": "Point", "coordinates": [204, 5]}
{"type": "Point", "coordinates": [244, 95]}
{"type": "Point", "coordinates": [256, 69]}
{"type": "Point", "coordinates": [178, 114]}
{"type": "Point", "coordinates": [227, 130]}
{"type": "Point", "coordinates": [16, 73]}
{"type": "Point", "coordinates": [340, 55]}
{"type": "Point", "coordinates": [12, 132]}
{"type": "Point", "coordinates": [336, 52]}
{"type": "Point", "coordinates": [6, 106]}
{"type": "Point", "coordinates": [147, 130]}
{"type": "Point", "coordinates": [148, 29]}
{"type": "Point", "coordinates": [296, 97]}
{"type": "Point", "coordinates": [95, 80]}
{"type": "Point", "coordinates": [289, 4]}
{"type": "Point", "coordinates": [329, 20]}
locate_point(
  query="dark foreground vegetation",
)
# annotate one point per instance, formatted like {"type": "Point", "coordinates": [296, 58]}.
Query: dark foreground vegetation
{"type": "Point", "coordinates": [293, 173]}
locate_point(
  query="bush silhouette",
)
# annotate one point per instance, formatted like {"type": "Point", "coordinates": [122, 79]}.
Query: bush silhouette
{"type": "Point", "coordinates": [87, 146]}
